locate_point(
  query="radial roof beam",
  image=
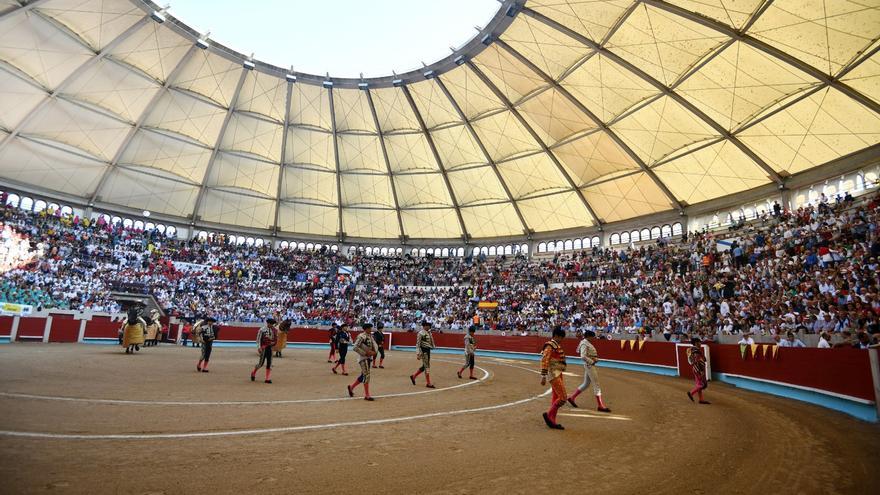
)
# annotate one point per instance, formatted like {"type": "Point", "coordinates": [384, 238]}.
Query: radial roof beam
{"type": "Point", "coordinates": [387, 163]}
{"type": "Point", "coordinates": [507, 103]}
{"type": "Point", "coordinates": [666, 90]}
{"type": "Point", "coordinates": [215, 151]}
{"type": "Point", "coordinates": [465, 236]}
{"type": "Point", "coordinates": [72, 77]}
{"type": "Point", "coordinates": [172, 76]}
{"type": "Point", "coordinates": [340, 232]}
{"type": "Point", "coordinates": [21, 10]}
{"type": "Point", "coordinates": [287, 99]}
{"type": "Point", "coordinates": [485, 153]}
{"type": "Point", "coordinates": [833, 81]}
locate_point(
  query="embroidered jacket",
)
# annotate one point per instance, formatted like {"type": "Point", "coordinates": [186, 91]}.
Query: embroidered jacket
{"type": "Point", "coordinates": [552, 359]}
{"type": "Point", "coordinates": [587, 352]}
{"type": "Point", "coordinates": [470, 344]}
{"type": "Point", "coordinates": [425, 341]}
{"type": "Point", "coordinates": [363, 343]}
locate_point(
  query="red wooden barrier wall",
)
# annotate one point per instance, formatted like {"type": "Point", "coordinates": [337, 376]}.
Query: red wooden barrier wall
{"type": "Point", "coordinates": [64, 328]}
{"type": "Point", "coordinates": [100, 327]}
{"type": "Point", "coordinates": [6, 325]}
{"type": "Point", "coordinates": [31, 327]}
{"type": "Point", "coordinates": [842, 371]}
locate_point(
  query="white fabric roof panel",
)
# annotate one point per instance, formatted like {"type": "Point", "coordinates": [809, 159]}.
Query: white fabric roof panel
{"type": "Point", "coordinates": [308, 219]}
{"type": "Point", "coordinates": [309, 185]}
{"type": "Point", "coordinates": [366, 190]}
{"type": "Point", "coordinates": [237, 172]}
{"type": "Point", "coordinates": [601, 90]}
{"type": "Point", "coordinates": [254, 136]}
{"type": "Point", "coordinates": [457, 147]}
{"type": "Point", "coordinates": [186, 115]}
{"type": "Point", "coordinates": [371, 223]}
{"type": "Point", "coordinates": [434, 223]}
{"type": "Point", "coordinates": [114, 88]}
{"type": "Point", "coordinates": [33, 45]}
{"type": "Point", "coordinates": [310, 147]}
{"type": "Point", "coordinates": [17, 99]}
{"type": "Point", "coordinates": [161, 151]}
{"type": "Point", "coordinates": [426, 190]}
{"type": "Point", "coordinates": [153, 49]}
{"type": "Point", "coordinates": [68, 123]}
{"type": "Point", "coordinates": [51, 168]}
{"type": "Point", "coordinates": [476, 185]}
{"type": "Point", "coordinates": [149, 192]}
{"type": "Point", "coordinates": [97, 22]}
{"type": "Point", "coordinates": [237, 209]}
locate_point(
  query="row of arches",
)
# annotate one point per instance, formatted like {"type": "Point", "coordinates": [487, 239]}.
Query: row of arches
{"type": "Point", "coordinates": [569, 244]}
{"type": "Point", "coordinates": [27, 203]}
{"type": "Point", "coordinates": [141, 225]}
{"type": "Point", "coordinates": [647, 234]}
{"type": "Point", "coordinates": [508, 250]}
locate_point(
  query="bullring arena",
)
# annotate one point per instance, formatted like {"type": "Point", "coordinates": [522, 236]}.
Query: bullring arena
{"type": "Point", "coordinates": [82, 418]}
{"type": "Point", "coordinates": [440, 247]}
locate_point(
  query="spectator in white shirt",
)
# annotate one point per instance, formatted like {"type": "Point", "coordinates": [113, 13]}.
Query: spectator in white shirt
{"type": "Point", "coordinates": [824, 341]}
{"type": "Point", "coordinates": [747, 340]}
{"type": "Point", "coordinates": [791, 341]}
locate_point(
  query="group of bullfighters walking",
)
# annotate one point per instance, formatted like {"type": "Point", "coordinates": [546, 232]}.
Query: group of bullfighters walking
{"type": "Point", "coordinates": [369, 346]}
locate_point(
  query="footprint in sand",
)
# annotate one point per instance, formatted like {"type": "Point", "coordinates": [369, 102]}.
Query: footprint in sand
{"type": "Point", "coordinates": [57, 484]}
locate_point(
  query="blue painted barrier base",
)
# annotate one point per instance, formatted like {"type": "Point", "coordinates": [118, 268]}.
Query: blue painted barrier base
{"type": "Point", "coordinates": [866, 412]}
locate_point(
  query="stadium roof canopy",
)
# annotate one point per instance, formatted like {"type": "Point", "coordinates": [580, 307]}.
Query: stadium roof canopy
{"type": "Point", "coordinates": [559, 116]}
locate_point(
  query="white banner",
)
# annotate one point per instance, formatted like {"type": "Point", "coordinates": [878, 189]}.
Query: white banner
{"type": "Point", "coordinates": [13, 309]}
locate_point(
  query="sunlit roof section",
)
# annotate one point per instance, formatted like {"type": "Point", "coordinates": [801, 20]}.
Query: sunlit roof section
{"type": "Point", "coordinates": [557, 115]}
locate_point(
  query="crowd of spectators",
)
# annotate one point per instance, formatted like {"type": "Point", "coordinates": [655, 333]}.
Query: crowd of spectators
{"type": "Point", "coordinates": [813, 270]}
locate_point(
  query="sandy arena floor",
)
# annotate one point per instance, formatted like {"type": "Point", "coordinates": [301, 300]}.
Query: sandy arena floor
{"type": "Point", "coordinates": [104, 422]}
